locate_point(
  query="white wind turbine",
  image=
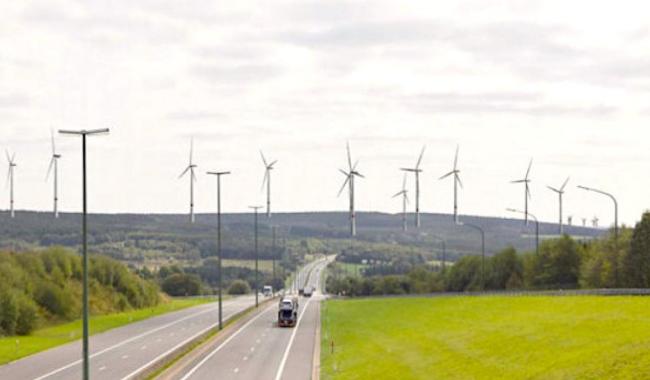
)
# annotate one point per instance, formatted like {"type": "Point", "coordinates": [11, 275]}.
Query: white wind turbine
{"type": "Point", "coordinates": [526, 181]}
{"type": "Point", "coordinates": [190, 168]}
{"type": "Point", "coordinates": [267, 181]}
{"type": "Point", "coordinates": [560, 193]}
{"type": "Point", "coordinates": [416, 170]}
{"type": "Point", "coordinates": [54, 164]}
{"type": "Point", "coordinates": [457, 182]}
{"type": "Point", "coordinates": [10, 181]}
{"type": "Point", "coordinates": [405, 199]}
{"type": "Point", "coordinates": [349, 181]}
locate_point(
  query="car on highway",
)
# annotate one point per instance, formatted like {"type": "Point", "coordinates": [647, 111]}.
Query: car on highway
{"type": "Point", "coordinates": [288, 312]}
{"type": "Point", "coordinates": [267, 291]}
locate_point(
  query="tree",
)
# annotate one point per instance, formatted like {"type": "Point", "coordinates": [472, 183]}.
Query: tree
{"type": "Point", "coordinates": [636, 264]}
{"type": "Point", "coordinates": [239, 287]}
{"type": "Point", "coordinates": [504, 270]}
{"type": "Point", "coordinates": [181, 284]}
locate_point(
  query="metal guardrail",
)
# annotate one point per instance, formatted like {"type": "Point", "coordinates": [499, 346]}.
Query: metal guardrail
{"type": "Point", "coordinates": [516, 293]}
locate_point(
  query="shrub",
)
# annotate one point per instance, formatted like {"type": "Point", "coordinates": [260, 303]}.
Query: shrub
{"type": "Point", "coordinates": [181, 284]}
{"type": "Point", "coordinates": [239, 287]}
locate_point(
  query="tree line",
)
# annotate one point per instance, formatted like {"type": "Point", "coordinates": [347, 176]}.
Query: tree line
{"type": "Point", "coordinates": [563, 263]}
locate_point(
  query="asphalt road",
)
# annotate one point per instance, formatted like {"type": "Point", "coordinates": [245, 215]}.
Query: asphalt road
{"type": "Point", "coordinates": [124, 352]}
{"type": "Point", "coordinates": [261, 350]}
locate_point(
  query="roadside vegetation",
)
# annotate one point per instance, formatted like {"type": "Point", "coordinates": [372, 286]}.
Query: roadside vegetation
{"type": "Point", "coordinates": [486, 337]}
{"type": "Point", "coordinates": [563, 263]}
{"type": "Point", "coordinates": [44, 288]}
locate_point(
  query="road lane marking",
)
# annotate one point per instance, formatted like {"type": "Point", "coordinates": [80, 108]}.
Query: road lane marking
{"type": "Point", "coordinates": [125, 357]}
{"type": "Point", "coordinates": [143, 347]}
{"type": "Point", "coordinates": [222, 345]}
{"type": "Point", "coordinates": [102, 368]}
{"type": "Point", "coordinates": [283, 363]}
{"type": "Point", "coordinates": [236, 370]}
{"type": "Point", "coordinates": [245, 358]}
{"type": "Point", "coordinates": [76, 362]}
{"type": "Point", "coordinates": [176, 347]}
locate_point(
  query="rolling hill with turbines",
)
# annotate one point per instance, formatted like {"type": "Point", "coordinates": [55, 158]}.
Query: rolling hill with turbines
{"type": "Point", "coordinates": [143, 237]}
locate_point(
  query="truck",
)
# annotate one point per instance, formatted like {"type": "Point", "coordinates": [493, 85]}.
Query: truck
{"type": "Point", "coordinates": [309, 290]}
{"type": "Point", "coordinates": [267, 290]}
{"type": "Point", "coordinates": [288, 312]}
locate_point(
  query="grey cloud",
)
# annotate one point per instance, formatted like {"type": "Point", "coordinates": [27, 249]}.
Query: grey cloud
{"type": "Point", "coordinates": [10, 101]}
{"type": "Point", "coordinates": [230, 74]}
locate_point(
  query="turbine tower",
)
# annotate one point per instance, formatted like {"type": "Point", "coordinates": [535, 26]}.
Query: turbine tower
{"type": "Point", "coordinates": [10, 181]}
{"type": "Point", "coordinates": [560, 193]}
{"type": "Point", "coordinates": [267, 180]}
{"type": "Point", "coordinates": [405, 200]}
{"type": "Point", "coordinates": [349, 182]}
{"type": "Point", "coordinates": [526, 181]}
{"type": "Point", "coordinates": [190, 168]}
{"type": "Point", "coordinates": [54, 164]}
{"type": "Point", "coordinates": [416, 170]}
{"type": "Point", "coordinates": [457, 182]}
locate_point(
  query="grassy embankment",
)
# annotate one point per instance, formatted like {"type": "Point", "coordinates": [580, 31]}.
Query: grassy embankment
{"type": "Point", "coordinates": [16, 347]}
{"type": "Point", "coordinates": [487, 338]}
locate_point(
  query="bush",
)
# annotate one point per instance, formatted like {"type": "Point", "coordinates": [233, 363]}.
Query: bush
{"type": "Point", "coordinates": [239, 287]}
{"type": "Point", "coordinates": [181, 284]}
{"type": "Point", "coordinates": [27, 316]}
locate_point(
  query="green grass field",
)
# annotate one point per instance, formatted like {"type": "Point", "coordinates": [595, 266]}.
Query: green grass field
{"type": "Point", "coordinates": [586, 337]}
{"type": "Point", "coordinates": [13, 348]}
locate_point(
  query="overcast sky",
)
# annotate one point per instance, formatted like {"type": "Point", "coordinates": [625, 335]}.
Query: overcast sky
{"type": "Point", "coordinates": [567, 83]}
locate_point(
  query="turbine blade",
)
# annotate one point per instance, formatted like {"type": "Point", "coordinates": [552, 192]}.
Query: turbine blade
{"type": "Point", "coordinates": [519, 181]}
{"type": "Point", "coordinates": [354, 167]}
{"type": "Point", "coordinates": [53, 146]}
{"type": "Point", "coordinates": [406, 197]}
{"type": "Point", "coordinates": [398, 194]}
{"type": "Point", "coordinates": [528, 192]}
{"type": "Point", "coordinates": [193, 175]}
{"type": "Point", "coordinates": [459, 181]}
{"type": "Point", "coordinates": [266, 176]}
{"type": "Point", "coordinates": [456, 157]}
{"type": "Point", "coordinates": [273, 163]}
{"type": "Point", "coordinates": [358, 174]}
{"type": "Point", "coordinates": [344, 172]}
{"type": "Point", "coordinates": [49, 169]}
{"type": "Point", "coordinates": [347, 178]}
{"type": "Point", "coordinates": [263, 159]}
{"type": "Point", "coordinates": [530, 165]}
{"type": "Point", "coordinates": [554, 189]}
{"type": "Point", "coordinates": [184, 171]}
{"type": "Point", "coordinates": [349, 156]}
{"type": "Point", "coordinates": [191, 149]}
{"type": "Point", "coordinates": [446, 175]}
{"type": "Point", "coordinates": [565, 183]}
{"type": "Point", "coordinates": [417, 165]}
{"type": "Point", "coordinates": [8, 157]}
{"type": "Point", "coordinates": [404, 183]}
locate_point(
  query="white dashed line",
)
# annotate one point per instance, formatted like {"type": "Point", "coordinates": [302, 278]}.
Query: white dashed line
{"type": "Point", "coordinates": [252, 349]}
{"type": "Point", "coordinates": [236, 370]}
{"type": "Point", "coordinates": [102, 368]}
{"type": "Point", "coordinates": [143, 347]}
{"type": "Point", "coordinates": [245, 358]}
{"type": "Point", "coordinates": [125, 357]}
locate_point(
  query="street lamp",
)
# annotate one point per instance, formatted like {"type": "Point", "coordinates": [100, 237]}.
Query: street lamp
{"type": "Point", "coordinates": [219, 174]}
{"type": "Point", "coordinates": [84, 238]}
{"type": "Point", "coordinates": [536, 226]}
{"type": "Point", "coordinates": [615, 225]}
{"type": "Point", "coordinates": [256, 208]}
{"type": "Point", "coordinates": [479, 229]}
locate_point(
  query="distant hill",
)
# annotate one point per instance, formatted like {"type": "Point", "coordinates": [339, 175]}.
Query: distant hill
{"type": "Point", "coordinates": [142, 236]}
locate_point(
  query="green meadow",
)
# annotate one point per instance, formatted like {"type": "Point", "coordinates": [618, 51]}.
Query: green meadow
{"type": "Point", "coordinates": [495, 337]}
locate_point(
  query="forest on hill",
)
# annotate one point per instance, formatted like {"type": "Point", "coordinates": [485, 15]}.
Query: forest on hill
{"type": "Point", "coordinates": [44, 287]}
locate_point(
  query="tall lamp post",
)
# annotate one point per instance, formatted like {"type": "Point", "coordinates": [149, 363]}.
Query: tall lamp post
{"type": "Point", "coordinates": [84, 238]}
{"type": "Point", "coordinates": [482, 232]}
{"type": "Point", "coordinates": [256, 208]}
{"type": "Point", "coordinates": [444, 251]}
{"type": "Point", "coordinates": [615, 225]}
{"type": "Point", "coordinates": [274, 252]}
{"type": "Point", "coordinates": [536, 226]}
{"type": "Point", "coordinates": [219, 174]}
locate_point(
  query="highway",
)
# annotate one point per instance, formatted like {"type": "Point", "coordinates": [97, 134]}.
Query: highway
{"type": "Point", "coordinates": [261, 350]}
{"type": "Point", "coordinates": [124, 352]}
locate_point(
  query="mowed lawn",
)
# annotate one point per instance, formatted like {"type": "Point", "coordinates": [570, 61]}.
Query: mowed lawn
{"type": "Point", "coordinates": [16, 347]}
{"type": "Point", "coordinates": [500, 337]}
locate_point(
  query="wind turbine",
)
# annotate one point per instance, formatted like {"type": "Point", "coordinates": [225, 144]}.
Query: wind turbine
{"type": "Point", "coordinates": [560, 193]}
{"type": "Point", "coordinates": [416, 170]}
{"type": "Point", "coordinates": [595, 221]}
{"type": "Point", "coordinates": [54, 164]}
{"type": "Point", "coordinates": [190, 168]}
{"type": "Point", "coordinates": [527, 196]}
{"type": "Point", "coordinates": [405, 200]}
{"type": "Point", "coordinates": [457, 182]}
{"type": "Point", "coordinates": [267, 180]}
{"type": "Point", "coordinates": [10, 181]}
{"type": "Point", "coordinates": [349, 182]}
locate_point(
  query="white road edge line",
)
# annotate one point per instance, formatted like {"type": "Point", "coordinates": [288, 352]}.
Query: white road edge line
{"type": "Point", "coordinates": [54, 372]}
{"type": "Point", "coordinates": [222, 345]}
